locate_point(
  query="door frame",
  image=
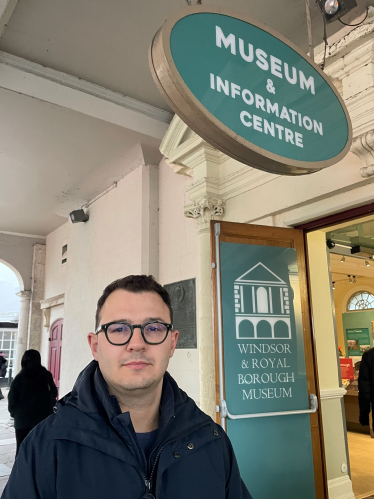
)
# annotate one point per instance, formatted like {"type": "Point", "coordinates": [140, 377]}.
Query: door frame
{"type": "Point", "coordinates": [255, 233]}
{"type": "Point", "coordinates": [322, 223]}
{"type": "Point", "coordinates": [49, 340]}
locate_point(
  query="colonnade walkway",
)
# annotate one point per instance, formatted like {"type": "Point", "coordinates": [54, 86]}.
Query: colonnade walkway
{"type": "Point", "coordinates": [7, 442]}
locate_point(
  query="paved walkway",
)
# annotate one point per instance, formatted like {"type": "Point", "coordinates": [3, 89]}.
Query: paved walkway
{"type": "Point", "coordinates": [7, 442]}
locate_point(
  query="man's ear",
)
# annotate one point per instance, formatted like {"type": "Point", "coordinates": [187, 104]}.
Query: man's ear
{"type": "Point", "coordinates": [93, 342]}
{"type": "Point", "coordinates": [174, 339]}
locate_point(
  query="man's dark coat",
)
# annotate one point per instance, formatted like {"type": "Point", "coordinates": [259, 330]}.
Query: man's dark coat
{"type": "Point", "coordinates": [366, 386]}
{"type": "Point", "coordinates": [89, 450]}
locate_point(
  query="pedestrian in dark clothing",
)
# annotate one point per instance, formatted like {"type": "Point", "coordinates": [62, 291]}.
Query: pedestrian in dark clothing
{"type": "Point", "coordinates": [127, 430]}
{"type": "Point", "coordinates": [3, 369]}
{"type": "Point", "coordinates": [32, 395]}
{"type": "Point", "coordinates": [366, 386]}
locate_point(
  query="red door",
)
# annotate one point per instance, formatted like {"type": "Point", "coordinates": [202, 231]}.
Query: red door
{"type": "Point", "coordinates": [55, 340]}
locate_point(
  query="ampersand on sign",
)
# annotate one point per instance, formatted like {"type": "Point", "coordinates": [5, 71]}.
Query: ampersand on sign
{"type": "Point", "coordinates": [270, 87]}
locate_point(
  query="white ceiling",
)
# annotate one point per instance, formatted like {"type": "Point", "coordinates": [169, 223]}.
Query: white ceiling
{"type": "Point", "coordinates": [54, 158]}
{"type": "Point", "coordinates": [106, 42]}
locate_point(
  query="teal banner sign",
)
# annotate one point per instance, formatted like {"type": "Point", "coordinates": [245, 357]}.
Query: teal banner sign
{"type": "Point", "coordinates": [358, 341]}
{"type": "Point", "coordinates": [249, 92]}
{"type": "Point", "coordinates": [265, 369]}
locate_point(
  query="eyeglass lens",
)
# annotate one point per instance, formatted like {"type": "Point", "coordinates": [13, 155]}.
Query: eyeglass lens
{"type": "Point", "coordinates": [120, 333]}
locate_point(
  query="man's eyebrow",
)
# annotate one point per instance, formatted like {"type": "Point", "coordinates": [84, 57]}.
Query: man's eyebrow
{"type": "Point", "coordinates": [147, 319]}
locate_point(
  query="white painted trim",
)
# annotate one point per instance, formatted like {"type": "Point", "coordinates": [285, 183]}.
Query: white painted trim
{"type": "Point", "coordinates": [20, 234]}
{"type": "Point", "coordinates": [18, 275]}
{"type": "Point", "coordinates": [6, 10]}
{"type": "Point", "coordinates": [48, 85]}
{"type": "Point", "coordinates": [340, 488]}
{"type": "Point", "coordinates": [85, 86]}
{"type": "Point", "coordinates": [332, 394]}
{"type": "Point", "coordinates": [53, 301]}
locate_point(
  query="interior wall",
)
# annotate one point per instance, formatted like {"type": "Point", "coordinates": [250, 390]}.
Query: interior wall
{"type": "Point", "coordinates": [178, 261]}
{"type": "Point", "coordinates": [342, 293]}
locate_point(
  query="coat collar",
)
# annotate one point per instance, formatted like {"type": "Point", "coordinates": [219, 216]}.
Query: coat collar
{"type": "Point", "coordinates": [91, 416]}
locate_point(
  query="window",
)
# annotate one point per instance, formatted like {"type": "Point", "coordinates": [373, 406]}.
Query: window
{"type": "Point", "coordinates": [64, 254]}
{"type": "Point", "coordinates": [361, 301]}
{"type": "Point", "coordinates": [8, 345]}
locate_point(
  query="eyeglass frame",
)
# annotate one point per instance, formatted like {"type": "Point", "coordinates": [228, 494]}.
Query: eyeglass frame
{"type": "Point", "coordinates": [104, 328]}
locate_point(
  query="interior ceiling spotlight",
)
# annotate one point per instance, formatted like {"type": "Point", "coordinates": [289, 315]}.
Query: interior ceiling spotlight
{"type": "Point", "coordinates": [342, 259]}
{"type": "Point", "coordinates": [78, 216]}
{"type": "Point", "coordinates": [367, 263]}
{"type": "Point", "coordinates": [335, 9]}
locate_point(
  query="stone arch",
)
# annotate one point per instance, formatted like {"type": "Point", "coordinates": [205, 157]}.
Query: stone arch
{"type": "Point", "coordinates": [16, 272]}
{"type": "Point", "coordinates": [246, 329]}
{"type": "Point", "coordinates": [281, 329]}
{"type": "Point", "coordinates": [264, 329]}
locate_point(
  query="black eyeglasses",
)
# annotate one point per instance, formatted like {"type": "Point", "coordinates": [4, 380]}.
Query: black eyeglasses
{"type": "Point", "coordinates": [120, 333]}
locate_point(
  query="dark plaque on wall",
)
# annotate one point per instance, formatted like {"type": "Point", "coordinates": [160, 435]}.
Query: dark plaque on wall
{"type": "Point", "coordinates": [183, 301]}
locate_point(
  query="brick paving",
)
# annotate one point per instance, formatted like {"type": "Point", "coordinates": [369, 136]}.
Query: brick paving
{"type": "Point", "coordinates": [7, 442]}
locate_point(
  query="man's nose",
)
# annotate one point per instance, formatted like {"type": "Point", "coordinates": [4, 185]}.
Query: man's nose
{"type": "Point", "coordinates": [137, 342]}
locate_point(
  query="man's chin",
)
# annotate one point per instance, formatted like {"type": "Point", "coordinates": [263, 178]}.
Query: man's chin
{"type": "Point", "coordinates": [137, 383]}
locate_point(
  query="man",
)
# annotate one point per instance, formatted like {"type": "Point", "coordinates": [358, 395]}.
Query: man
{"type": "Point", "coordinates": [366, 385]}
{"type": "Point", "coordinates": [127, 430]}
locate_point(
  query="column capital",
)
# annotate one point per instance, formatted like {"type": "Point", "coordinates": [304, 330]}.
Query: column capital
{"type": "Point", "coordinates": [363, 148]}
{"type": "Point", "coordinates": [204, 210]}
{"type": "Point", "coordinates": [24, 295]}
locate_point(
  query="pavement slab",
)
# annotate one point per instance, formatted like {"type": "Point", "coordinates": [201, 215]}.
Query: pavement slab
{"type": "Point", "coordinates": [7, 442]}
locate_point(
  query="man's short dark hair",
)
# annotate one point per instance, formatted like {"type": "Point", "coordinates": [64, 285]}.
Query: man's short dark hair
{"type": "Point", "coordinates": [134, 284]}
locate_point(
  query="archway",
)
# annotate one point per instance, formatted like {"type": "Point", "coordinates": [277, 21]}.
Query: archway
{"type": "Point", "coordinates": [246, 329]}
{"type": "Point", "coordinates": [281, 330]}
{"type": "Point", "coordinates": [10, 283]}
{"type": "Point", "coordinates": [264, 329]}
{"type": "Point", "coordinates": [17, 274]}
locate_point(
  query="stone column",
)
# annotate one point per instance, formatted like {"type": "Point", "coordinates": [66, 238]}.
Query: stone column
{"type": "Point", "coordinates": [23, 326]}
{"type": "Point", "coordinates": [37, 294]}
{"type": "Point", "coordinates": [203, 211]}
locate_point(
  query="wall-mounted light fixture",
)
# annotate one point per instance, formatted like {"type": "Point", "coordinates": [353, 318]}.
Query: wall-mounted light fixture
{"type": "Point", "coordinates": [333, 284]}
{"type": "Point", "coordinates": [367, 263]}
{"type": "Point", "coordinates": [78, 216]}
{"type": "Point", "coordinates": [335, 9]}
{"type": "Point", "coordinates": [342, 259]}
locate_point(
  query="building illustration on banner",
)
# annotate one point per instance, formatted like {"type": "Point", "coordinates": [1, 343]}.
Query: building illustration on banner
{"type": "Point", "coordinates": [262, 305]}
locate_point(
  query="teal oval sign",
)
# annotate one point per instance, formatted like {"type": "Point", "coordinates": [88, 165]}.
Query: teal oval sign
{"type": "Point", "coordinates": [249, 92]}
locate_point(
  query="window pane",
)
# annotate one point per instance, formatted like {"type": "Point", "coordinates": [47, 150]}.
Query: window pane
{"type": "Point", "coordinates": [361, 301]}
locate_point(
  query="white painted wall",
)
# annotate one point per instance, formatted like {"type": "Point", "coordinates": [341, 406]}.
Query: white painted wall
{"type": "Point", "coordinates": [112, 245]}
{"type": "Point", "coordinates": [178, 260]}
{"type": "Point", "coordinates": [105, 248]}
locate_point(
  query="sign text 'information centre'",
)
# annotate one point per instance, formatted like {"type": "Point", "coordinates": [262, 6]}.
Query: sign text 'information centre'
{"type": "Point", "coordinates": [249, 92]}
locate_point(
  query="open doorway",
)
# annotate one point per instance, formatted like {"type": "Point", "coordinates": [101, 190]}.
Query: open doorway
{"type": "Point", "coordinates": [9, 316]}
{"type": "Point", "coordinates": [351, 254]}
